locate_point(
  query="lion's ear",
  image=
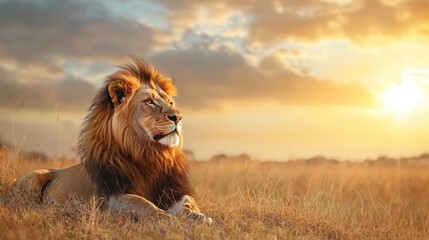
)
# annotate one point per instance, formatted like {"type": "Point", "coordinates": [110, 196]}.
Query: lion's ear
{"type": "Point", "coordinates": [119, 90]}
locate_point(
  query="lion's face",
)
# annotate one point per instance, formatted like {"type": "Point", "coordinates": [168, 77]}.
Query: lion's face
{"type": "Point", "coordinates": [157, 116]}
{"type": "Point", "coordinates": [152, 116]}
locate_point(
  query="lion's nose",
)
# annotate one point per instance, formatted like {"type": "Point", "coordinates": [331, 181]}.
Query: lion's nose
{"type": "Point", "coordinates": [175, 118]}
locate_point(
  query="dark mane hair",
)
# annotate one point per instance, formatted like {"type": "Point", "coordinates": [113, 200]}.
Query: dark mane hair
{"type": "Point", "coordinates": [148, 169]}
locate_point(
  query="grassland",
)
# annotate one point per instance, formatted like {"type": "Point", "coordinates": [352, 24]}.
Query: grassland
{"type": "Point", "coordinates": [313, 199]}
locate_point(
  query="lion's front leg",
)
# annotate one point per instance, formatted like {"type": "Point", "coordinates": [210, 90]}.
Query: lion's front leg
{"type": "Point", "coordinates": [134, 204]}
{"type": "Point", "coordinates": [188, 208]}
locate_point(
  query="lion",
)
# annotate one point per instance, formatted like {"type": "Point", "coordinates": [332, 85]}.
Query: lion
{"type": "Point", "coordinates": [130, 146]}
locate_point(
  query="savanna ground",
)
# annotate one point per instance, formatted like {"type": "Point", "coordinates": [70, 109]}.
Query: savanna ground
{"type": "Point", "coordinates": [313, 199]}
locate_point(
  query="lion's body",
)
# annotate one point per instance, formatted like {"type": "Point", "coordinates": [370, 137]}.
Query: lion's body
{"type": "Point", "coordinates": [131, 151]}
{"type": "Point", "coordinates": [63, 183]}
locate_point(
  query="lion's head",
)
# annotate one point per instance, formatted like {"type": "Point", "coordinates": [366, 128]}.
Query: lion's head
{"type": "Point", "coordinates": [136, 107]}
{"type": "Point", "coordinates": [142, 99]}
{"type": "Point", "coordinates": [132, 136]}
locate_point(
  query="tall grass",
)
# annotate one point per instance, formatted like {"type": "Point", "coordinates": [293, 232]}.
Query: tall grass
{"type": "Point", "coordinates": [246, 199]}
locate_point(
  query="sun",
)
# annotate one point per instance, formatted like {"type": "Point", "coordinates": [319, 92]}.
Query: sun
{"type": "Point", "coordinates": [402, 98]}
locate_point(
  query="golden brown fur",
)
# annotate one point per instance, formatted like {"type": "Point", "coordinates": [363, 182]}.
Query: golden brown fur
{"type": "Point", "coordinates": [131, 149]}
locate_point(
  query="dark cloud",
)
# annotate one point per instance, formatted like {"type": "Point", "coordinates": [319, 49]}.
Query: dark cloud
{"type": "Point", "coordinates": [66, 94]}
{"type": "Point", "coordinates": [46, 34]}
{"type": "Point", "coordinates": [209, 78]}
{"type": "Point", "coordinates": [39, 31]}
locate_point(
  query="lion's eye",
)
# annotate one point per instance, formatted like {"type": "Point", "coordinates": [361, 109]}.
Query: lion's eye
{"type": "Point", "coordinates": [150, 103]}
{"type": "Point", "coordinates": [171, 103]}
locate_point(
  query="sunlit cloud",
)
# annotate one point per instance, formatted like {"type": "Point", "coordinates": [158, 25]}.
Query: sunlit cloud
{"type": "Point", "coordinates": [222, 76]}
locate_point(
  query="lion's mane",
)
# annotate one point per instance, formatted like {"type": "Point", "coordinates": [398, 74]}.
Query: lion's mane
{"type": "Point", "coordinates": [131, 165]}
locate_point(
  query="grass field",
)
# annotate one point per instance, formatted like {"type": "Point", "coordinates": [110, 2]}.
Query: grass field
{"type": "Point", "coordinates": [313, 199]}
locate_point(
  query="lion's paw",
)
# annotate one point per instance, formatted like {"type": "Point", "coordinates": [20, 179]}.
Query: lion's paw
{"type": "Point", "coordinates": [209, 221]}
{"type": "Point", "coordinates": [197, 217]}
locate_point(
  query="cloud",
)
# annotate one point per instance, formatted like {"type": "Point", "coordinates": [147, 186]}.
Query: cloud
{"type": "Point", "coordinates": [212, 78]}
{"type": "Point", "coordinates": [361, 21]}
{"type": "Point", "coordinates": [308, 21]}
{"type": "Point", "coordinates": [45, 31]}
{"type": "Point", "coordinates": [379, 20]}
{"type": "Point", "coordinates": [66, 94]}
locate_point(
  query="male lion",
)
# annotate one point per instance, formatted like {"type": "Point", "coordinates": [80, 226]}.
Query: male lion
{"type": "Point", "coordinates": [131, 151]}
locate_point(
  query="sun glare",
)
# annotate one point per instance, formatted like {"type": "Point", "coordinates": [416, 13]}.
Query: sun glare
{"type": "Point", "coordinates": [408, 95]}
{"type": "Point", "coordinates": [402, 98]}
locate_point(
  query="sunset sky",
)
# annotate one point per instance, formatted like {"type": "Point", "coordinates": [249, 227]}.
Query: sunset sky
{"type": "Point", "coordinates": [274, 79]}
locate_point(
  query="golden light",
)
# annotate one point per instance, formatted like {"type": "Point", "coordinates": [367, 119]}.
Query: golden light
{"type": "Point", "coordinates": [403, 98]}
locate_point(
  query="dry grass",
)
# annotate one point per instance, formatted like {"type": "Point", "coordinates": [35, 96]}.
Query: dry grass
{"type": "Point", "coordinates": [247, 200]}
